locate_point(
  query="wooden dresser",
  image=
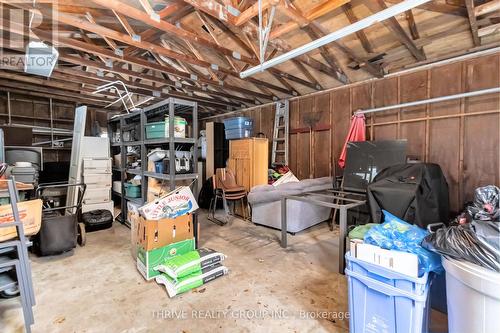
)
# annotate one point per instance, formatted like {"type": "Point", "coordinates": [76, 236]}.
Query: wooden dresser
{"type": "Point", "coordinates": [249, 160]}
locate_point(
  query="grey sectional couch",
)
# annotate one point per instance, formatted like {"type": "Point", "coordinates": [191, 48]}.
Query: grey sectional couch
{"type": "Point", "coordinates": [265, 201]}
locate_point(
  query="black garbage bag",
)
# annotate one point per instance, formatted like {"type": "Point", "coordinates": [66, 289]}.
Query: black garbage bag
{"type": "Point", "coordinates": [488, 233]}
{"type": "Point", "coordinates": [486, 205]}
{"type": "Point", "coordinates": [461, 242]}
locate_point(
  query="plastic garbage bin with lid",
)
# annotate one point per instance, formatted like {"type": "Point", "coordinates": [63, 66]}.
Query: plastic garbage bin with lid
{"type": "Point", "coordinates": [473, 297]}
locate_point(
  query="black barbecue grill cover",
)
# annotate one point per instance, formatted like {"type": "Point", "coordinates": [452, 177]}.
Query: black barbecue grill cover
{"type": "Point", "coordinates": [416, 193]}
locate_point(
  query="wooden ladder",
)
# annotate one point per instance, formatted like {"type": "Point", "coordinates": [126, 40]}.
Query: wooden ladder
{"type": "Point", "coordinates": [279, 154]}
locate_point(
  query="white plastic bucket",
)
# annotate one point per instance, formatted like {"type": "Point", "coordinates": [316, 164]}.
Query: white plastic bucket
{"type": "Point", "coordinates": [179, 127]}
{"type": "Point", "coordinates": [473, 297]}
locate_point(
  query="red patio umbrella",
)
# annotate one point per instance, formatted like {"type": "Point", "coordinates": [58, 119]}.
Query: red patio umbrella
{"type": "Point", "coordinates": [357, 132]}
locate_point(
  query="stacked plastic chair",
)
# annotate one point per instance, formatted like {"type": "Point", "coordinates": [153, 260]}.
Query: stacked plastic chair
{"type": "Point", "coordinates": [14, 257]}
{"type": "Point", "coordinates": [226, 188]}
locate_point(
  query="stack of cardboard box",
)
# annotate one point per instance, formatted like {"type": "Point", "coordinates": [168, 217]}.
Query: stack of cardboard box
{"type": "Point", "coordinates": [163, 229]}
{"type": "Point", "coordinates": [158, 240]}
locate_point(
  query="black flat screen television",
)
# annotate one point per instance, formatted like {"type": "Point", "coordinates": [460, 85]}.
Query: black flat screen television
{"type": "Point", "coordinates": [365, 159]}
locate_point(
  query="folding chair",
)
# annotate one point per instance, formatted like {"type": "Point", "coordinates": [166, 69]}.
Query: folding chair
{"type": "Point", "coordinates": [226, 188]}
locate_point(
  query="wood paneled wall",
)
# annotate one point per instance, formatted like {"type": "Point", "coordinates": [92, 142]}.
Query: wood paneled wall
{"type": "Point", "coordinates": [462, 136]}
{"type": "Point", "coordinates": [31, 110]}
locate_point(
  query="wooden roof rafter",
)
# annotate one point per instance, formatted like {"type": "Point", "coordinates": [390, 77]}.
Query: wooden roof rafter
{"type": "Point", "coordinates": [204, 87]}
{"type": "Point", "coordinates": [473, 22]}
{"type": "Point", "coordinates": [143, 64]}
{"type": "Point", "coordinates": [187, 35]}
{"type": "Point", "coordinates": [246, 45]}
{"type": "Point", "coordinates": [108, 41]}
{"type": "Point", "coordinates": [307, 74]}
{"type": "Point", "coordinates": [393, 25]}
{"type": "Point", "coordinates": [439, 7]}
{"type": "Point", "coordinates": [101, 43]}
{"type": "Point", "coordinates": [148, 46]}
{"type": "Point", "coordinates": [172, 12]}
{"type": "Point", "coordinates": [412, 25]}
{"type": "Point", "coordinates": [220, 13]}
{"type": "Point", "coordinates": [367, 45]}
{"type": "Point", "coordinates": [125, 24]}
{"type": "Point", "coordinates": [108, 56]}
{"type": "Point", "coordinates": [303, 22]}
{"type": "Point", "coordinates": [319, 10]}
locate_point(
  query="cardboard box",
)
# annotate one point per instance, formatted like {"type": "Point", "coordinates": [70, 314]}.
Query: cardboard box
{"type": "Point", "coordinates": [30, 213]}
{"type": "Point", "coordinates": [176, 203]}
{"type": "Point", "coordinates": [153, 234]}
{"type": "Point", "coordinates": [133, 219]}
{"type": "Point", "coordinates": [398, 261]}
{"type": "Point", "coordinates": [148, 260]}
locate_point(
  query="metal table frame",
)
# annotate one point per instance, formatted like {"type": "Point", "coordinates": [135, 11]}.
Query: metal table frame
{"type": "Point", "coordinates": [339, 201]}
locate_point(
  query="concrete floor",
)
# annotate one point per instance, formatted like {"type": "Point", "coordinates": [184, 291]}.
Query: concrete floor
{"type": "Point", "coordinates": [98, 289]}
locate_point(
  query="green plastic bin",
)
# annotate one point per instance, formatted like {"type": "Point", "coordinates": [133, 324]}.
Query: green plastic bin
{"type": "Point", "coordinates": [155, 130]}
{"type": "Point", "coordinates": [132, 191]}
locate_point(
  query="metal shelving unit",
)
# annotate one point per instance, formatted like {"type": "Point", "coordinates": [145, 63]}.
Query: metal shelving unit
{"type": "Point", "coordinates": [170, 107]}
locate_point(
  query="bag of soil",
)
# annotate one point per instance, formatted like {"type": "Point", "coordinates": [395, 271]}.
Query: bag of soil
{"type": "Point", "coordinates": [189, 263]}
{"type": "Point", "coordinates": [191, 281]}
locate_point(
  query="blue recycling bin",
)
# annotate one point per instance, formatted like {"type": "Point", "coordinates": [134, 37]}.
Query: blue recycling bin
{"type": "Point", "coordinates": [381, 300]}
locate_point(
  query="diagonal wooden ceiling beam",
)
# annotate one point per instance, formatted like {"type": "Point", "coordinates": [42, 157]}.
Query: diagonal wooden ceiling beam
{"type": "Point", "coordinates": [347, 8]}
{"type": "Point", "coordinates": [412, 25]}
{"type": "Point", "coordinates": [177, 8]}
{"type": "Point", "coordinates": [314, 13]}
{"type": "Point", "coordinates": [213, 8]}
{"type": "Point", "coordinates": [487, 7]}
{"type": "Point", "coordinates": [258, 84]}
{"type": "Point", "coordinates": [125, 38]}
{"type": "Point", "coordinates": [251, 29]}
{"type": "Point", "coordinates": [473, 22]}
{"type": "Point", "coordinates": [393, 25]}
{"type": "Point", "coordinates": [488, 30]}
{"type": "Point", "coordinates": [133, 74]}
{"type": "Point", "coordinates": [147, 7]}
{"type": "Point", "coordinates": [214, 37]}
{"type": "Point", "coordinates": [41, 85]}
{"type": "Point", "coordinates": [363, 63]}
{"type": "Point", "coordinates": [195, 38]}
{"type": "Point", "coordinates": [170, 28]}
{"type": "Point", "coordinates": [250, 48]}
{"type": "Point", "coordinates": [230, 33]}
{"type": "Point", "coordinates": [17, 28]}
{"type": "Point", "coordinates": [307, 74]}
{"type": "Point", "coordinates": [108, 41]}
{"type": "Point", "coordinates": [125, 24]}
{"type": "Point", "coordinates": [283, 46]}
{"type": "Point", "coordinates": [330, 58]}
{"type": "Point", "coordinates": [253, 11]}
{"type": "Point", "coordinates": [439, 7]}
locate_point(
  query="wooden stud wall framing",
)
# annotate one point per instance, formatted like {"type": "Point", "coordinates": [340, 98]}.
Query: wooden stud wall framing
{"type": "Point", "coordinates": [29, 110]}
{"type": "Point", "coordinates": [463, 136]}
